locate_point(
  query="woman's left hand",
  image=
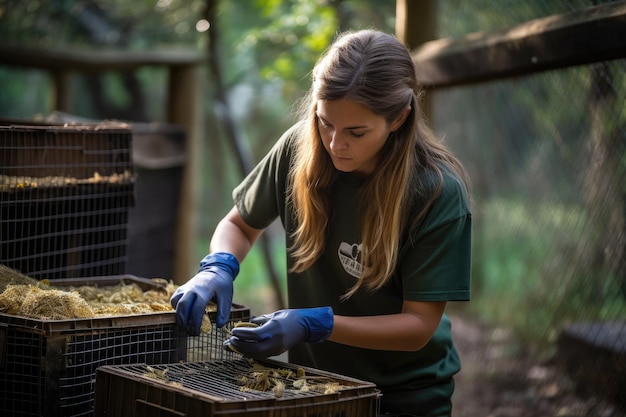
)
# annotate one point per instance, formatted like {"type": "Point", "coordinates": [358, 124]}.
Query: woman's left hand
{"type": "Point", "coordinates": [281, 330]}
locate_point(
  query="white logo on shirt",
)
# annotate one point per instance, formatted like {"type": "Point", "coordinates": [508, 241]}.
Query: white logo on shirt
{"type": "Point", "coordinates": [350, 258]}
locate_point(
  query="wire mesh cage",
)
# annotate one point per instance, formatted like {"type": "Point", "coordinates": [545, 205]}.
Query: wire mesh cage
{"type": "Point", "coordinates": [231, 388]}
{"type": "Point", "coordinates": [65, 193]}
{"type": "Point", "coordinates": [47, 367]}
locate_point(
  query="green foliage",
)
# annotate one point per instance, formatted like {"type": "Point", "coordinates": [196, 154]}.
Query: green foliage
{"type": "Point", "coordinates": [289, 38]}
{"type": "Point", "coordinates": [136, 25]}
{"type": "Point", "coordinates": [24, 92]}
{"type": "Point", "coordinates": [278, 48]}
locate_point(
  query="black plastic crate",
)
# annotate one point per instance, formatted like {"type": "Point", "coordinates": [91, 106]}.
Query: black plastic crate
{"type": "Point", "coordinates": [210, 389]}
{"type": "Point", "coordinates": [47, 367]}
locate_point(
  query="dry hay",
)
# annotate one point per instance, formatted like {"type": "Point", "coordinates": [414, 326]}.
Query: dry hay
{"type": "Point", "coordinates": [26, 182]}
{"type": "Point", "coordinates": [43, 303]}
{"type": "Point", "coordinates": [12, 298]}
{"type": "Point", "coordinates": [24, 296]}
{"type": "Point", "coordinates": [54, 305]}
{"type": "Point", "coordinates": [278, 380]}
{"type": "Point", "coordinates": [58, 303]}
{"type": "Point", "coordinates": [125, 299]}
{"type": "Point", "coordinates": [10, 276]}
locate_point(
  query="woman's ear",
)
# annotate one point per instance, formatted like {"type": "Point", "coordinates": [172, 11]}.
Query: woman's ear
{"type": "Point", "coordinates": [399, 121]}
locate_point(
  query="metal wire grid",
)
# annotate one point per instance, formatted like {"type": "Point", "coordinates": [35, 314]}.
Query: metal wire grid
{"type": "Point", "coordinates": [65, 194]}
{"type": "Point", "coordinates": [62, 236]}
{"type": "Point", "coordinates": [55, 374]}
{"type": "Point", "coordinates": [21, 380]}
{"type": "Point", "coordinates": [544, 154]}
{"type": "Point", "coordinates": [220, 381]}
{"type": "Point", "coordinates": [460, 17]}
{"type": "Point", "coordinates": [48, 368]}
{"type": "Point", "coordinates": [532, 176]}
{"type": "Point", "coordinates": [208, 346]}
{"type": "Point", "coordinates": [62, 154]}
{"type": "Point", "coordinates": [85, 353]}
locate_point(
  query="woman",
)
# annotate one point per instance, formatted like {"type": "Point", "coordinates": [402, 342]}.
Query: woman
{"type": "Point", "coordinates": [378, 231]}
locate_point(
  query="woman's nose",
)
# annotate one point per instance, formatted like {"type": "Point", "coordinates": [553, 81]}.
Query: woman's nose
{"type": "Point", "coordinates": [337, 142]}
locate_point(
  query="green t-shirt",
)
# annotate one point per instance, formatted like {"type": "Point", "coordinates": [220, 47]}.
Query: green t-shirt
{"type": "Point", "coordinates": [434, 265]}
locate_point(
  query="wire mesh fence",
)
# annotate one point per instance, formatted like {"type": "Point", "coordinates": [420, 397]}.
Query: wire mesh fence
{"type": "Point", "coordinates": [547, 156]}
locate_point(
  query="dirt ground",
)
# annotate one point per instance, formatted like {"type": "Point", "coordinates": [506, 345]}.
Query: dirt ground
{"type": "Point", "coordinates": [495, 382]}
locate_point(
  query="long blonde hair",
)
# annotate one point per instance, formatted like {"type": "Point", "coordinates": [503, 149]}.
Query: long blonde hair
{"type": "Point", "coordinates": [376, 70]}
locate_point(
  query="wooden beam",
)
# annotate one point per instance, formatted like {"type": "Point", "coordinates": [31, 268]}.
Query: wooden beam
{"type": "Point", "coordinates": [589, 35]}
{"type": "Point", "coordinates": [93, 60]}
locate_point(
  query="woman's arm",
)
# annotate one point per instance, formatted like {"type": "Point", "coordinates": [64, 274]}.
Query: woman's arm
{"type": "Point", "coordinates": [409, 330]}
{"type": "Point", "coordinates": [234, 236]}
{"type": "Point", "coordinates": [214, 281]}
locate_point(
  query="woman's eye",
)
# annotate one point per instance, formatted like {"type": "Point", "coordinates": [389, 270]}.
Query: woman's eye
{"type": "Point", "coordinates": [357, 135]}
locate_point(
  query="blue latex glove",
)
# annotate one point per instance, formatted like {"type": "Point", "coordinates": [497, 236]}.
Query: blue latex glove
{"type": "Point", "coordinates": [281, 330]}
{"type": "Point", "coordinates": [214, 282]}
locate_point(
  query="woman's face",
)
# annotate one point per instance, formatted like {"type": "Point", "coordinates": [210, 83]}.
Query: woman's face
{"type": "Point", "coordinates": [352, 134]}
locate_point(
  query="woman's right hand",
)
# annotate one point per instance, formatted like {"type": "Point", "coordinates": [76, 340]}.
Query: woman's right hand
{"type": "Point", "coordinates": [214, 283]}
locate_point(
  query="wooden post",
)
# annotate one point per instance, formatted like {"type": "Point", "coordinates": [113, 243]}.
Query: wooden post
{"type": "Point", "coordinates": [416, 23]}
{"type": "Point", "coordinates": [62, 90]}
{"type": "Point", "coordinates": [183, 108]}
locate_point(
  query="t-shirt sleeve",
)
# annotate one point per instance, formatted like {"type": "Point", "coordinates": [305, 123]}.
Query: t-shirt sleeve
{"type": "Point", "coordinates": [435, 264]}
{"type": "Point", "coordinates": [260, 197]}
